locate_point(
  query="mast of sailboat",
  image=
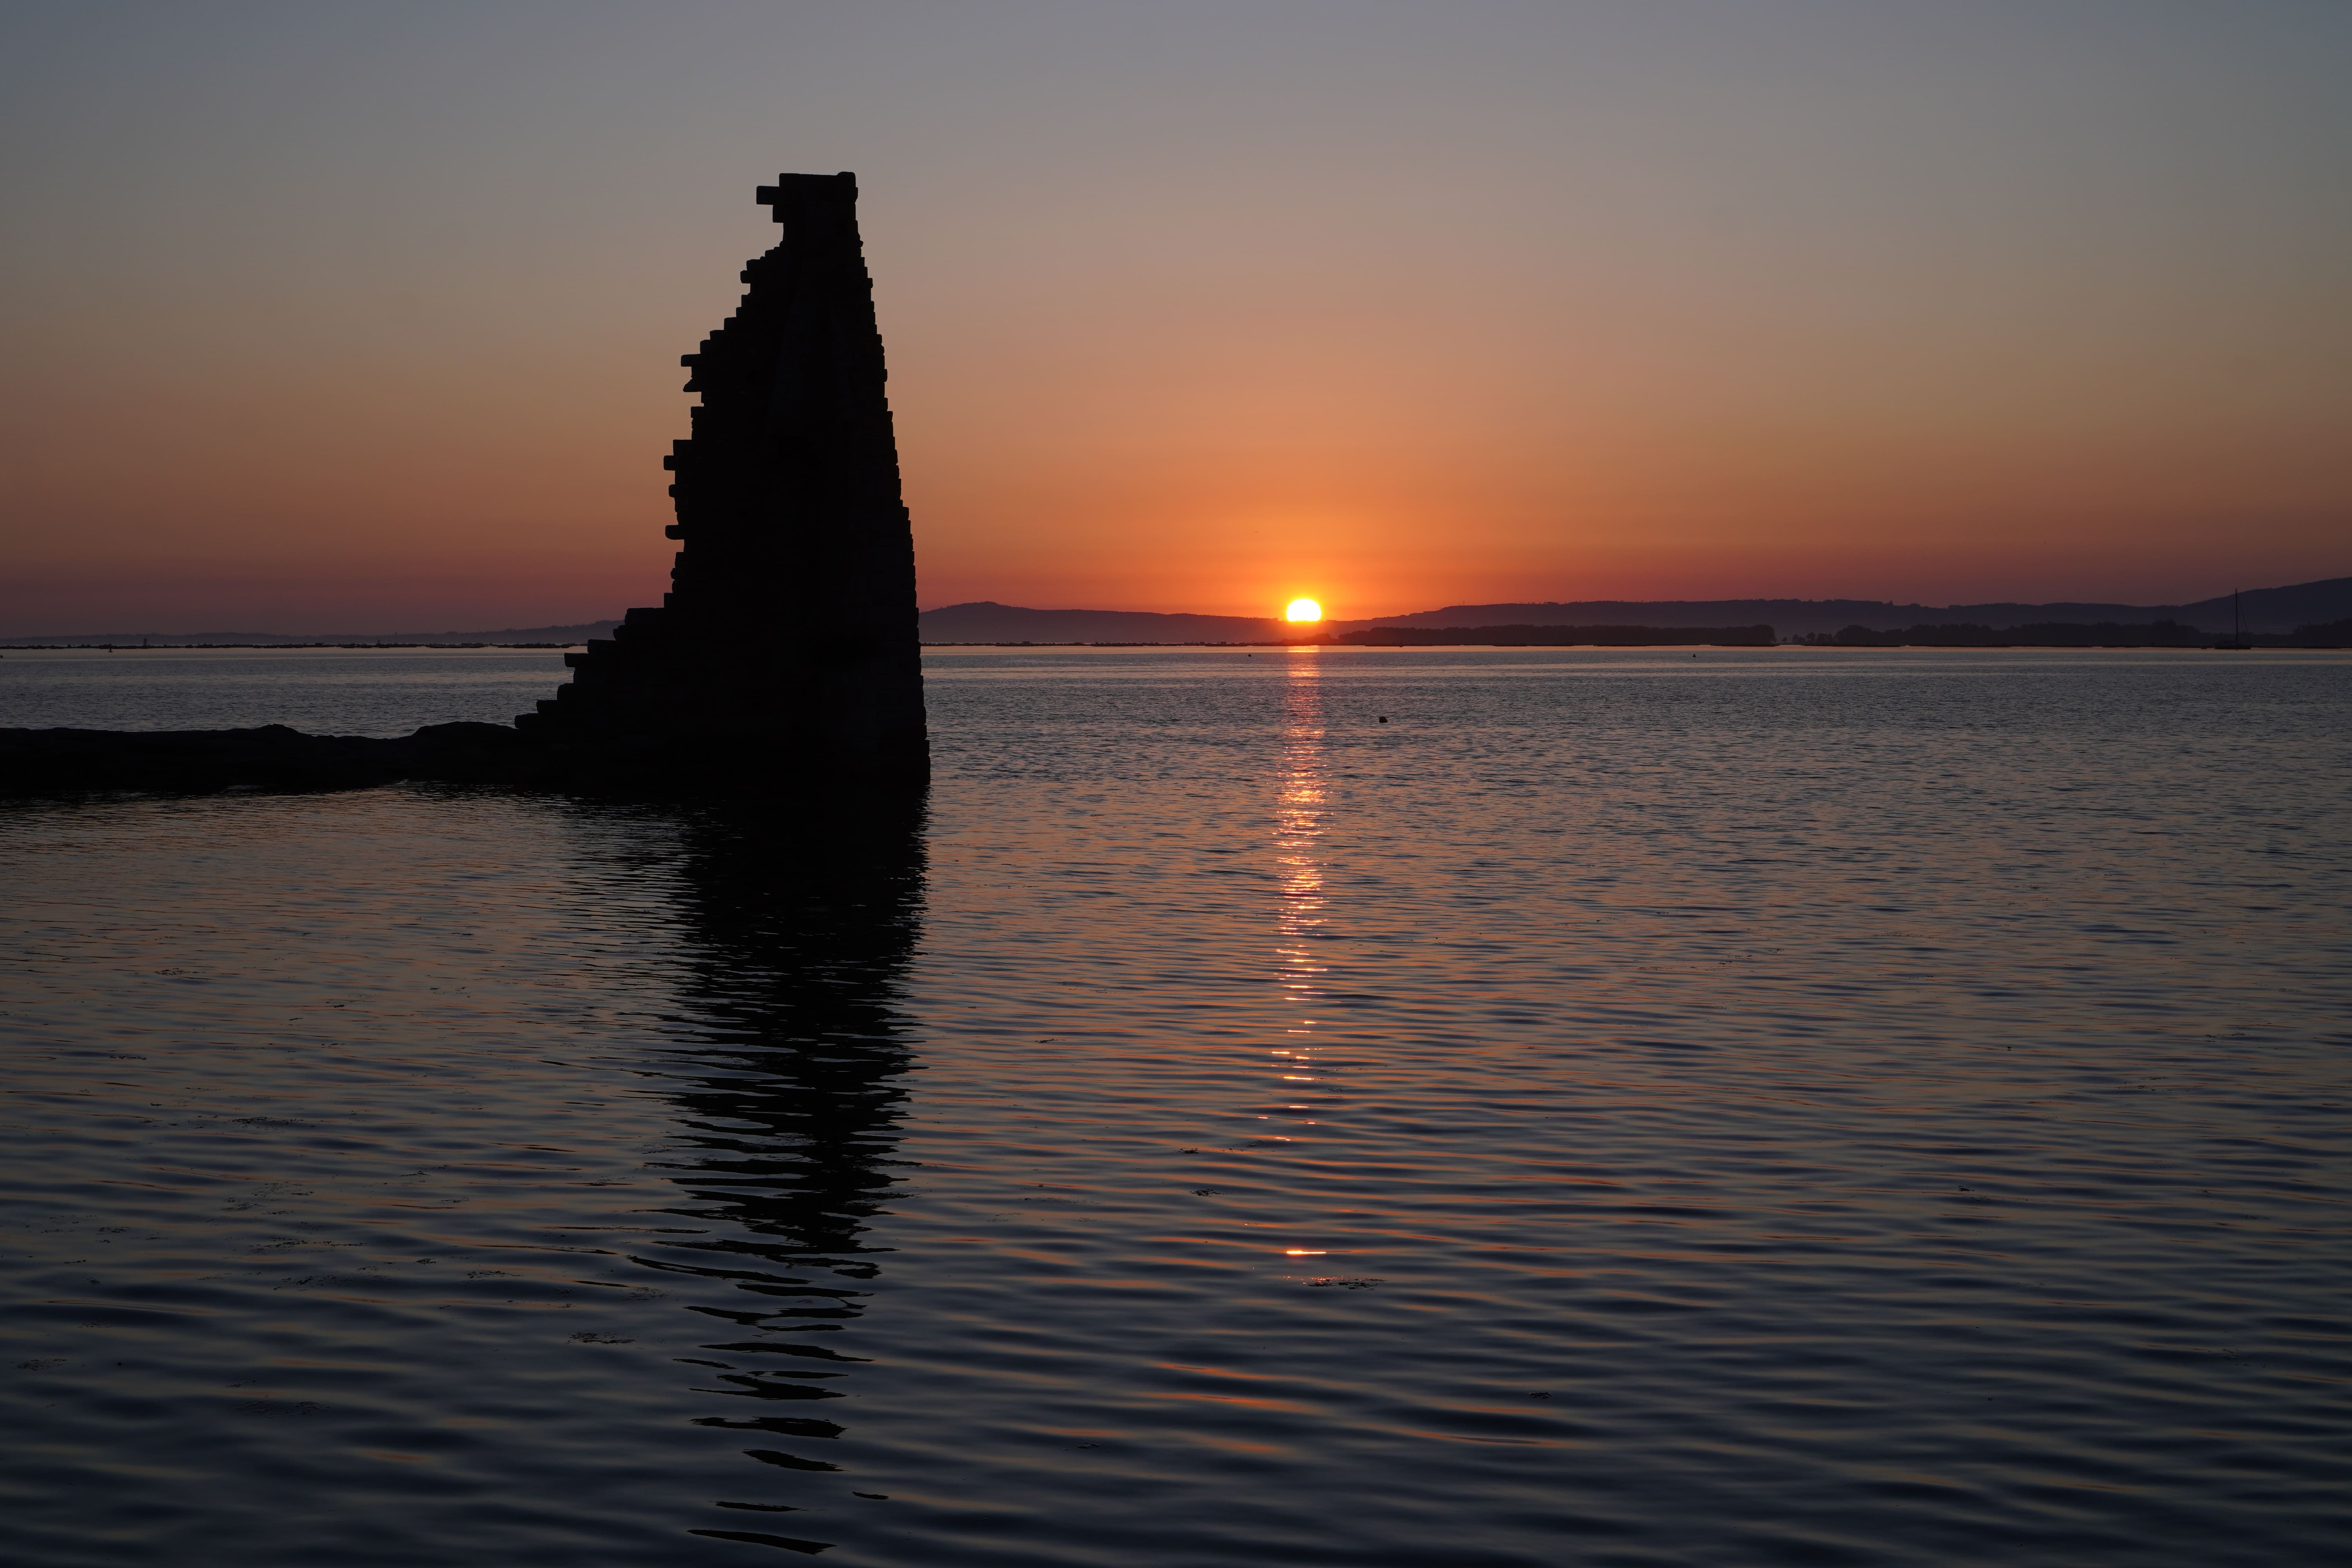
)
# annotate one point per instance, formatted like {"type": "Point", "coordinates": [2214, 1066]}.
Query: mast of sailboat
{"type": "Point", "coordinates": [2237, 621]}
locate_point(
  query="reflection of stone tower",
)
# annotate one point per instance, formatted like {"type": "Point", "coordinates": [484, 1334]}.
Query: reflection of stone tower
{"type": "Point", "coordinates": [787, 642]}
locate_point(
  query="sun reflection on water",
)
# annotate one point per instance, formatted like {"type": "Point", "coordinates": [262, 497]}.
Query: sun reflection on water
{"type": "Point", "coordinates": [1297, 834]}
{"type": "Point", "coordinates": [1298, 829]}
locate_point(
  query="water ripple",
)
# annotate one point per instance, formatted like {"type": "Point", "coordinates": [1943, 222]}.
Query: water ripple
{"type": "Point", "coordinates": [1759, 1109]}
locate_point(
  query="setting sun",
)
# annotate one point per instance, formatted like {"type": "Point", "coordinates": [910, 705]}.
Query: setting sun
{"type": "Point", "coordinates": [1303, 610]}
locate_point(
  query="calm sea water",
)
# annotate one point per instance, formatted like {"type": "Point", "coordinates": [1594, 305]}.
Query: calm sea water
{"type": "Point", "coordinates": [1627, 1109]}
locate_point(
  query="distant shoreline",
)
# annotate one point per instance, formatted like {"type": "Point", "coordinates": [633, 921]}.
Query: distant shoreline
{"type": "Point", "coordinates": [2288, 610]}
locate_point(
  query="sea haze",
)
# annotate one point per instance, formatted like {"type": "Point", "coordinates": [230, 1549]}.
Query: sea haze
{"type": "Point", "coordinates": [1626, 1108]}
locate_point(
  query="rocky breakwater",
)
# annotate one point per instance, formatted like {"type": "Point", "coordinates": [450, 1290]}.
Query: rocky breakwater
{"type": "Point", "coordinates": [272, 756]}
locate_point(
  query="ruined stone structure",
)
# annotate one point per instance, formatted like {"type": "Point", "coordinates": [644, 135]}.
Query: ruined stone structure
{"type": "Point", "coordinates": [784, 657]}
{"type": "Point", "coordinates": [787, 647]}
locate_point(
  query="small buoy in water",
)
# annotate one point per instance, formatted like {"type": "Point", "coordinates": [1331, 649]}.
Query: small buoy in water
{"type": "Point", "coordinates": [1384, 719]}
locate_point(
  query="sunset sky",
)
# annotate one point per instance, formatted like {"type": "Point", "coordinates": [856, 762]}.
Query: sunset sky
{"type": "Point", "coordinates": [353, 317]}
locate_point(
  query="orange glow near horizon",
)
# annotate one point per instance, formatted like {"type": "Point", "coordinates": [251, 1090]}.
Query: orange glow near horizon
{"type": "Point", "coordinates": [1303, 610]}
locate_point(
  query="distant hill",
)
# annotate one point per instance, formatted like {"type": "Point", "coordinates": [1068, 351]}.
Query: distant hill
{"type": "Point", "coordinates": [2266, 610]}
{"type": "Point", "coordinates": [989, 622]}
{"type": "Point", "coordinates": [581, 632]}
{"type": "Point", "coordinates": [1784, 616]}
{"type": "Point", "coordinates": [1558, 636]}
{"type": "Point", "coordinates": [2274, 609]}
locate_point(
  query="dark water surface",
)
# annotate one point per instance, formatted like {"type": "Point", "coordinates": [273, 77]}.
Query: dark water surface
{"type": "Point", "coordinates": [1776, 1107]}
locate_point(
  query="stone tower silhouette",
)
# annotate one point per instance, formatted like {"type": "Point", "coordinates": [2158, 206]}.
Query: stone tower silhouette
{"type": "Point", "coordinates": [786, 649]}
